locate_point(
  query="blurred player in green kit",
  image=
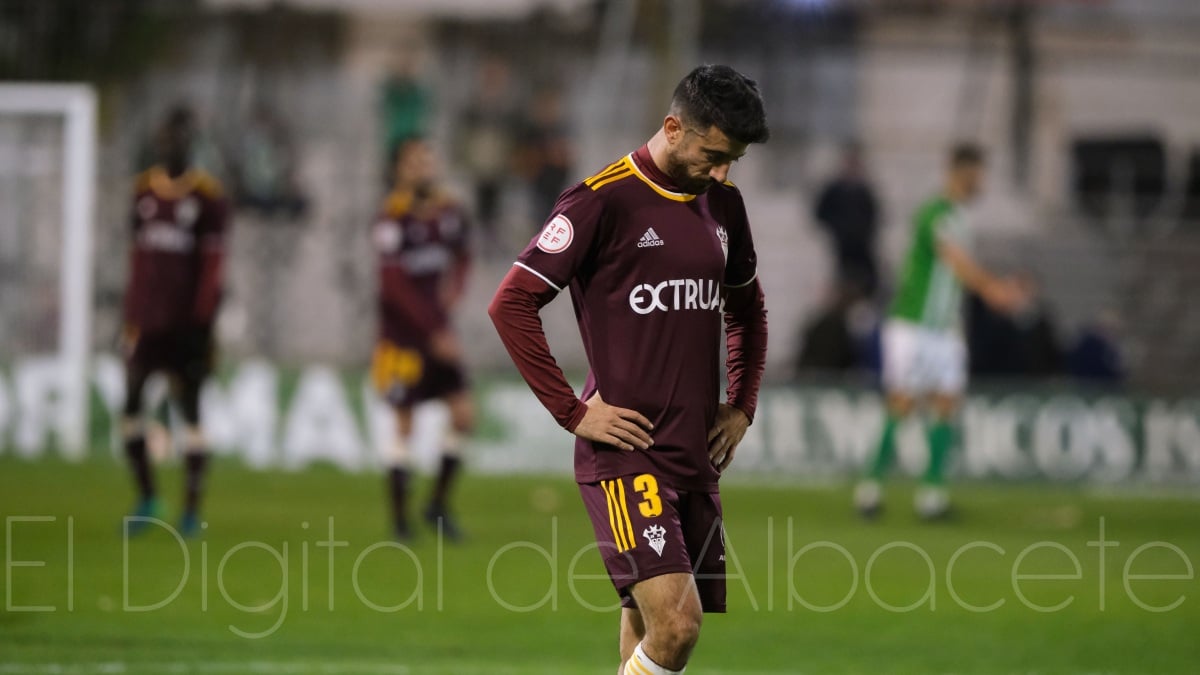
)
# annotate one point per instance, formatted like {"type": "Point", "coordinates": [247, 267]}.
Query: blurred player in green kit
{"type": "Point", "coordinates": [924, 354]}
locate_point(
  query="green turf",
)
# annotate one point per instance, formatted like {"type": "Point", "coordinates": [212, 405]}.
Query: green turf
{"type": "Point", "coordinates": [462, 626]}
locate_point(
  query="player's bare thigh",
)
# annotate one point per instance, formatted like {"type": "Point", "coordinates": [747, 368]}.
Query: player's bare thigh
{"type": "Point", "coordinates": [945, 405]}
{"type": "Point", "coordinates": [404, 421]}
{"type": "Point", "coordinates": [900, 404]}
{"type": "Point", "coordinates": [942, 405]}
{"type": "Point", "coordinates": [672, 614]}
{"type": "Point", "coordinates": [462, 411]}
{"type": "Point", "coordinates": [462, 414]}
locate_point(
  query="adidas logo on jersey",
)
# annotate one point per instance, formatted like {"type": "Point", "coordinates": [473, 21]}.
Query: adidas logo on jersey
{"type": "Point", "coordinates": [649, 239]}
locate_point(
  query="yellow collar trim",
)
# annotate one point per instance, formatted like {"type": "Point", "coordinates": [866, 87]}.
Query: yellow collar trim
{"type": "Point", "coordinates": [674, 196]}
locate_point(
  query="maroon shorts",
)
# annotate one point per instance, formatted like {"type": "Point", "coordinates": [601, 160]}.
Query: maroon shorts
{"type": "Point", "coordinates": [645, 529]}
{"type": "Point", "coordinates": [405, 376]}
{"type": "Point", "coordinates": [186, 354]}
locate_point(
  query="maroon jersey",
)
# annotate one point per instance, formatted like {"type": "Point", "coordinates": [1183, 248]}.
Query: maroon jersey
{"type": "Point", "coordinates": [648, 269]}
{"type": "Point", "coordinates": [179, 232]}
{"type": "Point", "coordinates": [423, 256]}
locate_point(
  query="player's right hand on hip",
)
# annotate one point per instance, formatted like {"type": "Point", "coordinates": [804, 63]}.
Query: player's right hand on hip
{"type": "Point", "coordinates": [445, 346]}
{"type": "Point", "coordinates": [624, 428]}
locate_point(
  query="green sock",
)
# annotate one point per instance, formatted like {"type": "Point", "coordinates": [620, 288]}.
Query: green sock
{"type": "Point", "coordinates": [886, 450]}
{"type": "Point", "coordinates": [941, 438]}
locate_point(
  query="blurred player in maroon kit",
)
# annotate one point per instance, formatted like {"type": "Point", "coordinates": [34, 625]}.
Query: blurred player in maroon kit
{"type": "Point", "coordinates": [180, 221]}
{"type": "Point", "coordinates": [421, 242]}
{"type": "Point", "coordinates": [657, 252]}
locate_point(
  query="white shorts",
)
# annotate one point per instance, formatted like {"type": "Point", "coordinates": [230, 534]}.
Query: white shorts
{"type": "Point", "coordinates": [920, 361]}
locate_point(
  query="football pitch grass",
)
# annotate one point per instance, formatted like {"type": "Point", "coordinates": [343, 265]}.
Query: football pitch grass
{"type": "Point", "coordinates": [819, 591]}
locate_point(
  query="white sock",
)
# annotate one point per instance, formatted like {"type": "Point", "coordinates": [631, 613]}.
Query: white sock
{"type": "Point", "coordinates": [640, 664]}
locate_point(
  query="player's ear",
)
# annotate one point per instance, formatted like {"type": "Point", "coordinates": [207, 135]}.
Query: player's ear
{"type": "Point", "coordinates": [673, 127]}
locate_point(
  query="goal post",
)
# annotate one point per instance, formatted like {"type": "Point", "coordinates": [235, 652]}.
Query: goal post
{"type": "Point", "coordinates": [75, 104]}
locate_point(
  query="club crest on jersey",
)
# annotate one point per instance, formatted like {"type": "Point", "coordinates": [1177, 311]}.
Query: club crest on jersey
{"type": "Point", "coordinates": [649, 239]}
{"type": "Point", "coordinates": [147, 207]}
{"type": "Point", "coordinates": [723, 237]}
{"type": "Point", "coordinates": [656, 535]}
{"type": "Point", "coordinates": [388, 237]}
{"type": "Point", "coordinates": [557, 235]}
{"type": "Point", "coordinates": [186, 212]}
{"type": "Point", "coordinates": [450, 225]}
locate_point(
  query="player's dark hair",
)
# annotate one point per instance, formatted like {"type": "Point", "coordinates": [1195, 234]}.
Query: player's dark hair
{"type": "Point", "coordinates": [722, 97]}
{"type": "Point", "coordinates": [965, 154]}
{"type": "Point", "coordinates": [179, 118]}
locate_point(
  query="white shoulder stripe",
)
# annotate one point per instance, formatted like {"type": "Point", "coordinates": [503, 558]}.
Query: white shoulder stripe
{"type": "Point", "coordinates": [538, 275]}
{"type": "Point", "coordinates": [747, 283]}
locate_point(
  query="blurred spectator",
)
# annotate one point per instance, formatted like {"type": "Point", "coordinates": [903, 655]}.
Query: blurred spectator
{"type": "Point", "coordinates": [848, 210]}
{"type": "Point", "coordinates": [485, 141]}
{"type": "Point", "coordinates": [205, 153]}
{"type": "Point", "coordinates": [1041, 352]}
{"type": "Point", "coordinates": [1024, 344]}
{"type": "Point", "coordinates": [546, 153]}
{"type": "Point", "coordinates": [264, 167]}
{"type": "Point", "coordinates": [1096, 356]}
{"type": "Point", "coordinates": [404, 106]}
{"type": "Point", "coordinates": [841, 337]}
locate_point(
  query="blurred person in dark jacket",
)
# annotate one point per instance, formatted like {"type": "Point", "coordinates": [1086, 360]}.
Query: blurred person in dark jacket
{"type": "Point", "coordinates": [840, 338]}
{"type": "Point", "coordinates": [546, 153]}
{"type": "Point", "coordinates": [847, 209]}
{"type": "Point", "coordinates": [486, 136]}
{"type": "Point", "coordinates": [1096, 355]}
{"type": "Point", "coordinates": [1024, 344]}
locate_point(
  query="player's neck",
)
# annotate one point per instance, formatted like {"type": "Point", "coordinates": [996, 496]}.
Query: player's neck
{"type": "Point", "coordinates": [170, 185]}
{"type": "Point", "coordinates": [953, 194]}
{"type": "Point", "coordinates": [657, 145]}
{"type": "Point", "coordinates": [417, 190]}
{"type": "Point", "coordinates": [175, 170]}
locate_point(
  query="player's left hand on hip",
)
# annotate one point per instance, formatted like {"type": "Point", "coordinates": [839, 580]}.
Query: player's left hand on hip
{"type": "Point", "coordinates": [725, 435]}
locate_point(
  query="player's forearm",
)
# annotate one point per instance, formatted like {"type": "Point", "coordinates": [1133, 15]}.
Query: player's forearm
{"type": "Point", "coordinates": [746, 342]}
{"type": "Point", "coordinates": [458, 283]}
{"type": "Point", "coordinates": [208, 290]}
{"type": "Point", "coordinates": [514, 311]}
{"type": "Point", "coordinates": [969, 273]}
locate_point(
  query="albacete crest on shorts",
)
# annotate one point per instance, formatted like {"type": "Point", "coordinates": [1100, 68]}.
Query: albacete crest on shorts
{"type": "Point", "coordinates": [657, 536]}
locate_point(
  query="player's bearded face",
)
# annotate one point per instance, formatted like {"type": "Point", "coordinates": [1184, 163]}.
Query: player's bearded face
{"type": "Point", "coordinates": [417, 167]}
{"type": "Point", "coordinates": [174, 148]}
{"type": "Point", "coordinates": [699, 160]}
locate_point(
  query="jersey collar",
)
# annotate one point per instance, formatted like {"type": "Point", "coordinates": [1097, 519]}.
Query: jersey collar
{"type": "Point", "coordinates": [643, 168]}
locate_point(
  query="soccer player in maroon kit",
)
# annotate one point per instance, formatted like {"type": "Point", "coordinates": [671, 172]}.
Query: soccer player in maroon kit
{"type": "Point", "coordinates": [421, 242]}
{"type": "Point", "coordinates": [657, 252]}
{"type": "Point", "coordinates": [180, 220]}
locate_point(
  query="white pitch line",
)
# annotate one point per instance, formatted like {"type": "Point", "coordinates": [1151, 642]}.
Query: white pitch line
{"type": "Point", "coordinates": [248, 667]}
{"type": "Point", "coordinates": [281, 668]}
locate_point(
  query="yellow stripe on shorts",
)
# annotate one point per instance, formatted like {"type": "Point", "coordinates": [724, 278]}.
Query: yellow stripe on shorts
{"type": "Point", "coordinates": [625, 512]}
{"type": "Point", "coordinates": [615, 516]}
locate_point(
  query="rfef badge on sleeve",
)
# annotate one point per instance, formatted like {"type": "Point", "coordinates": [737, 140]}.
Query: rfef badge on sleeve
{"type": "Point", "coordinates": [557, 235]}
